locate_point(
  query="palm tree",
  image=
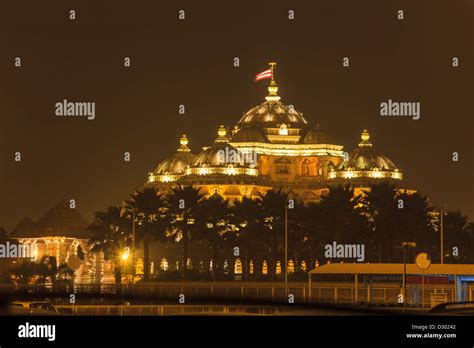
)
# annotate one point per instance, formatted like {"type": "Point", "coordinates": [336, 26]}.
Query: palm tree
{"type": "Point", "coordinates": [273, 208]}
{"type": "Point", "coordinates": [399, 217]}
{"type": "Point", "coordinates": [111, 236]}
{"type": "Point", "coordinates": [47, 269]}
{"type": "Point", "coordinates": [182, 207]}
{"type": "Point", "coordinates": [214, 227]}
{"type": "Point", "coordinates": [382, 211]}
{"type": "Point", "coordinates": [149, 208]}
{"type": "Point", "coordinates": [248, 220]}
{"type": "Point", "coordinates": [457, 234]}
{"type": "Point", "coordinates": [303, 226]}
{"type": "Point", "coordinates": [341, 215]}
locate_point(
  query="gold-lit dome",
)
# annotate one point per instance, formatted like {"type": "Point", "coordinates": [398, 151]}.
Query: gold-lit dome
{"type": "Point", "coordinates": [364, 161]}
{"type": "Point", "coordinates": [317, 135]}
{"type": "Point", "coordinates": [177, 163]}
{"type": "Point", "coordinates": [272, 114]}
{"type": "Point", "coordinates": [249, 135]}
{"type": "Point", "coordinates": [215, 155]}
{"type": "Point", "coordinates": [224, 159]}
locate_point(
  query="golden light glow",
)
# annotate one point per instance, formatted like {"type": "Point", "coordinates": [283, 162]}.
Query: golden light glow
{"type": "Point", "coordinates": [125, 255]}
{"type": "Point", "coordinates": [202, 171]}
{"type": "Point", "coordinates": [183, 140]}
{"type": "Point", "coordinates": [278, 267]}
{"type": "Point", "coordinates": [365, 135]}
{"type": "Point", "coordinates": [303, 266]}
{"type": "Point", "coordinates": [349, 174]}
{"type": "Point", "coordinates": [376, 173]}
{"type": "Point", "coordinates": [164, 264]}
{"type": "Point", "coordinates": [283, 130]}
{"type": "Point", "coordinates": [222, 170]}
{"type": "Point", "coordinates": [166, 178]}
{"type": "Point", "coordinates": [238, 266]}
{"type": "Point", "coordinates": [221, 132]}
{"type": "Point", "coordinates": [264, 267]}
{"type": "Point", "coordinates": [291, 266]}
{"type": "Point", "coordinates": [290, 149]}
{"type": "Point", "coordinates": [231, 170]}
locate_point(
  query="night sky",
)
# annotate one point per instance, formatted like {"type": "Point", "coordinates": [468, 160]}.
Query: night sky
{"type": "Point", "coordinates": [190, 62]}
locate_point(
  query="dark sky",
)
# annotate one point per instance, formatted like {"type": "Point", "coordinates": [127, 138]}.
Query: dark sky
{"type": "Point", "coordinates": [190, 62]}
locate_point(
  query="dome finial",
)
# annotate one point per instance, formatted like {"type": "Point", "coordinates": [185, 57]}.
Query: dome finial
{"type": "Point", "coordinates": [365, 136]}
{"type": "Point", "coordinates": [222, 132]}
{"type": "Point", "coordinates": [184, 144]}
{"type": "Point", "coordinates": [272, 88]}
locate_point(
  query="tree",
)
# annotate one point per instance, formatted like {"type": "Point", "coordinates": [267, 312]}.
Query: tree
{"type": "Point", "coordinates": [150, 222]}
{"type": "Point", "coordinates": [303, 233]}
{"type": "Point", "coordinates": [40, 273]}
{"type": "Point", "coordinates": [214, 227]}
{"type": "Point", "coordinates": [47, 270]}
{"type": "Point", "coordinates": [398, 217]}
{"type": "Point", "coordinates": [272, 205]}
{"type": "Point", "coordinates": [382, 211]}
{"type": "Point", "coordinates": [182, 208]}
{"type": "Point", "coordinates": [24, 273]}
{"type": "Point", "coordinates": [248, 219]}
{"type": "Point", "coordinates": [111, 236]}
{"type": "Point", "coordinates": [458, 238]}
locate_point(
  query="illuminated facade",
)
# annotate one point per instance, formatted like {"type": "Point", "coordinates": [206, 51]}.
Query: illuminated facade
{"type": "Point", "coordinates": [62, 233]}
{"type": "Point", "coordinates": [271, 146]}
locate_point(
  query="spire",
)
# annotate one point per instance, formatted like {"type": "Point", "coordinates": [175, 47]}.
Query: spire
{"type": "Point", "coordinates": [184, 144]}
{"type": "Point", "coordinates": [272, 88]}
{"type": "Point", "coordinates": [365, 136]}
{"type": "Point", "coordinates": [221, 135]}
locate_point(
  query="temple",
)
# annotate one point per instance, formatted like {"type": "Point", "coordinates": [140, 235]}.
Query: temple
{"type": "Point", "coordinates": [62, 232]}
{"type": "Point", "coordinates": [273, 145]}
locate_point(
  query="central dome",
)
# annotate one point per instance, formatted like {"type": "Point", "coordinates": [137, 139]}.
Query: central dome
{"type": "Point", "coordinates": [273, 113]}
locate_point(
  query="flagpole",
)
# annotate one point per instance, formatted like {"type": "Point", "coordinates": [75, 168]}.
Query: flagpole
{"type": "Point", "coordinates": [272, 66]}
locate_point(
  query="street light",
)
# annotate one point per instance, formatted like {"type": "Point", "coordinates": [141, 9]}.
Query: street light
{"type": "Point", "coordinates": [125, 255]}
{"type": "Point", "coordinates": [441, 230]}
{"type": "Point", "coordinates": [122, 213]}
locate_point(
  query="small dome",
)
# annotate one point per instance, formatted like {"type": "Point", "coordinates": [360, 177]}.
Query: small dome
{"type": "Point", "coordinates": [220, 154]}
{"type": "Point", "coordinates": [213, 156]}
{"type": "Point", "coordinates": [249, 134]}
{"type": "Point", "coordinates": [177, 163]}
{"type": "Point", "coordinates": [364, 157]}
{"type": "Point", "coordinates": [318, 136]}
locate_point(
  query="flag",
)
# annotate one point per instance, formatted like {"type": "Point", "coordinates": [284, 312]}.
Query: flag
{"type": "Point", "coordinates": [267, 74]}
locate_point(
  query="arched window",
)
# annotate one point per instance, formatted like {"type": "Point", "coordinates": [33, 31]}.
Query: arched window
{"type": "Point", "coordinates": [282, 166]}
{"type": "Point", "coordinates": [305, 167]}
{"type": "Point", "coordinates": [283, 130]}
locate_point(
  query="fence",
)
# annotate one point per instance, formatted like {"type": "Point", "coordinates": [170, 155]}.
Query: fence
{"type": "Point", "coordinates": [143, 310]}
{"type": "Point", "coordinates": [274, 292]}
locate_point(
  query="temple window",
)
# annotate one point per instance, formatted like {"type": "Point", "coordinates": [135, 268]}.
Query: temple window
{"type": "Point", "coordinates": [283, 130]}
{"type": "Point", "coordinates": [305, 167]}
{"type": "Point", "coordinates": [282, 166]}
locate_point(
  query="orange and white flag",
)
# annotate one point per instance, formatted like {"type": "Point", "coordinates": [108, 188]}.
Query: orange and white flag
{"type": "Point", "coordinates": [267, 74]}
